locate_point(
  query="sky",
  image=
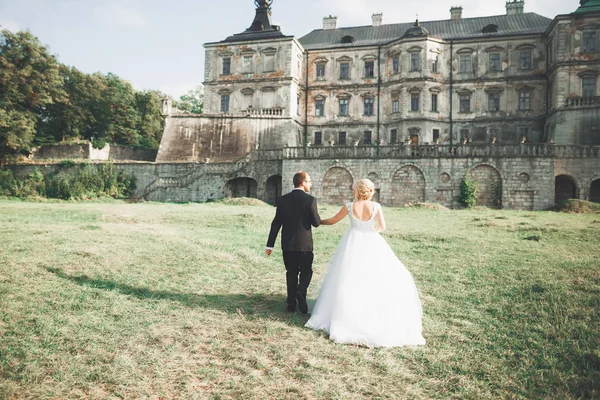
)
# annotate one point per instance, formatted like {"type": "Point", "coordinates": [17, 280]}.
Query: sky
{"type": "Point", "coordinates": [157, 45]}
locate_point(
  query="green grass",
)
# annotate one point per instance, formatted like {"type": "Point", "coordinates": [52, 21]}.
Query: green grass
{"type": "Point", "coordinates": [114, 300]}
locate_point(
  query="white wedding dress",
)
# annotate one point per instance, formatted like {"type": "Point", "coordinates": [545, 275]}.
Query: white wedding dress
{"type": "Point", "coordinates": [367, 297]}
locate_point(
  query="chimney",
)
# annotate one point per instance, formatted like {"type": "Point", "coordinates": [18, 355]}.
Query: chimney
{"type": "Point", "coordinates": [377, 19]}
{"type": "Point", "coordinates": [515, 7]}
{"type": "Point", "coordinates": [329, 23]}
{"type": "Point", "coordinates": [456, 13]}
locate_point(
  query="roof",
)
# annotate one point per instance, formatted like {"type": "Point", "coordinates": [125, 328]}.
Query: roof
{"type": "Point", "coordinates": [466, 28]}
{"type": "Point", "coordinates": [588, 6]}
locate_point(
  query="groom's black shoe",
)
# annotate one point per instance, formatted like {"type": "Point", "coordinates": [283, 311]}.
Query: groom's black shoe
{"type": "Point", "coordinates": [291, 308]}
{"type": "Point", "coordinates": [302, 306]}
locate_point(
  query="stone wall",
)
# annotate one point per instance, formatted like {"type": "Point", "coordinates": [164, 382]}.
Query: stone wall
{"type": "Point", "coordinates": [85, 151]}
{"type": "Point", "coordinates": [517, 182]}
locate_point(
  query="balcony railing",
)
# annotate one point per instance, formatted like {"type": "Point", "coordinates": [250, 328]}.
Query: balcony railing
{"type": "Point", "coordinates": [263, 111]}
{"type": "Point", "coordinates": [430, 151]}
{"type": "Point", "coordinates": [583, 101]}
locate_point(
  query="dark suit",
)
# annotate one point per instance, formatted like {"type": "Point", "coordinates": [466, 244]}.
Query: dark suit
{"type": "Point", "coordinates": [296, 212]}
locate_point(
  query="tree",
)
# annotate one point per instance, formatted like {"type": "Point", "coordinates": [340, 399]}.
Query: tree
{"type": "Point", "coordinates": [30, 81]}
{"type": "Point", "coordinates": [192, 102]}
{"type": "Point", "coordinates": [123, 116]}
{"type": "Point", "coordinates": [151, 124]}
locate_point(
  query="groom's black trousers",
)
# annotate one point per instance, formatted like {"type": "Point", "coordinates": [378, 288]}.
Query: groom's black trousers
{"type": "Point", "coordinates": [297, 263]}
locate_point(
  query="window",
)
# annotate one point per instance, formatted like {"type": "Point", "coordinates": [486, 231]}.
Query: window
{"type": "Point", "coordinates": [369, 69]}
{"type": "Point", "coordinates": [466, 66]}
{"type": "Point", "coordinates": [247, 66]}
{"type": "Point", "coordinates": [415, 63]}
{"type": "Point", "coordinates": [464, 135]}
{"type": "Point", "coordinates": [318, 138]}
{"type": "Point", "coordinates": [247, 100]}
{"type": "Point", "coordinates": [319, 107]}
{"type": "Point", "coordinates": [589, 41]}
{"type": "Point", "coordinates": [393, 136]}
{"type": "Point", "coordinates": [343, 107]}
{"type": "Point", "coordinates": [525, 60]}
{"type": "Point", "coordinates": [465, 103]}
{"type": "Point", "coordinates": [524, 101]}
{"type": "Point", "coordinates": [551, 51]}
{"type": "Point", "coordinates": [434, 103]}
{"type": "Point", "coordinates": [395, 103]}
{"type": "Point", "coordinates": [414, 101]}
{"type": "Point", "coordinates": [342, 138]}
{"type": "Point", "coordinates": [493, 101]}
{"type": "Point", "coordinates": [522, 132]}
{"type": "Point", "coordinates": [436, 135]}
{"type": "Point", "coordinates": [269, 62]}
{"type": "Point", "coordinates": [494, 64]}
{"type": "Point", "coordinates": [344, 71]}
{"type": "Point", "coordinates": [589, 86]}
{"type": "Point", "coordinates": [396, 64]}
{"type": "Point", "coordinates": [320, 72]}
{"type": "Point", "coordinates": [434, 66]}
{"type": "Point", "coordinates": [368, 106]}
{"type": "Point", "coordinates": [225, 103]}
{"type": "Point", "coordinates": [298, 105]}
{"type": "Point", "coordinates": [367, 137]}
{"type": "Point", "coordinates": [226, 65]}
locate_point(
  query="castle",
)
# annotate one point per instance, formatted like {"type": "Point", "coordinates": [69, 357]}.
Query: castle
{"type": "Point", "coordinates": [509, 100]}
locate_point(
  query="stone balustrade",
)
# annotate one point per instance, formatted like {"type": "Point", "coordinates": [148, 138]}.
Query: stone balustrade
{"type": "Point", "coordinates": [264, 111]}
{"type": "Point", "coordinates": [430, 151]}
{"type": "Point", "coordinates": [582, 101]}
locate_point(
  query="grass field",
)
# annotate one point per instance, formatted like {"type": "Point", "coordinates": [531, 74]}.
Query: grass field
{"type": "Point", "coordinates": [111, 300]}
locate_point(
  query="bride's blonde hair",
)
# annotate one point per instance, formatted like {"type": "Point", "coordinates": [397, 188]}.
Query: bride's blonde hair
{"type": "Point", "coordinates": [363, 189]}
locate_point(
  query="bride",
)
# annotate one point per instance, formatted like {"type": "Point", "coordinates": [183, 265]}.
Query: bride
{"type": "Point", "coordinates": [368, 297]}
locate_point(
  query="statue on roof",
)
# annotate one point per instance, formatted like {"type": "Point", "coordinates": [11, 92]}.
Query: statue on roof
{"type": "Point", "coordinates": [263, 3]}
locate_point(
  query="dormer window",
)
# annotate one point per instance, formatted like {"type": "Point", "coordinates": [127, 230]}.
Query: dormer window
{"type": "Point", "coordinates": [347, 39]}
{"type": "Point", "coordinates": [491, 28]}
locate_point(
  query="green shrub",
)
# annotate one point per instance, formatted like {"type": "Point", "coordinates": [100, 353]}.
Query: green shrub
{"type": "Point", "coordinates": [468, 192]}
{"type": "Point", "coordinates": [86, 182]}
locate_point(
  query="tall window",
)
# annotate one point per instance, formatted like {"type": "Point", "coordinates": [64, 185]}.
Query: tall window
{"type": "Point", "coordinates": [493, 101]}
{"type": "Point", "coordinates": [226, 65]}
{"type": "Point", "coordinates": [318, 138]}
{"type": "Point", "coordinates": [464, 135]}
{"type": "Point", "coordinates": [465, 103]}
{"type": "Point", "coordinates": [525, 101]}
{"type": "Point", "coordinates": [269, 62]}
{"type": "Point", "coordinates": [589, 41]}
{"type": "Point", "coordinates": [414, 101]}
{"type": "Point", "coordinates": [369, 69]}
{"type": "Point", "coordinates": [589, 86]}
{"type": "Point", "coordinates": [434, 65]}
{"type": "Point", "coordinates": [320, 72]}
{"type": "Point", "coordinates": [393, 136]}
{"type": "Point", "coordinates": [343, 107]}
{"type": "Point", "coordinates": [247, 64]}
{"type": "Point", "coordinates": [551, 51]}
{"type": "Point", "coordinates": [436, 135]}
{"type": "Point", "coordinates": [395, 103]}
{"type": "Point", "coordinates": [494, 64]}
{"type": "Point", "coordinates": [434, 103]}
{"type": "Point", "coordinates": [225, 103]}
{"type": "Point", "coordinates": [342, 138]}
{"type": "Point", "coordinates": [248, 100]}
{"type": "Point", "coordinates": [466, 66]}
{"type": "Point", "coordinates": [396, 64]}
{"type": "Point", "coordinates": [344, 71]}
{"type": "Point", "coordinates": [368, 106]}
{"type": "Point", "coordinates": [367, 136]}
{"type": "Point", "coordinates": [522, 131]}
{"type": "Point", "coordinates": [415, 62]}
{"type": "Point", "coordinates": [525, 60]}
{"type": "Point", "coordinates": [319, 107]}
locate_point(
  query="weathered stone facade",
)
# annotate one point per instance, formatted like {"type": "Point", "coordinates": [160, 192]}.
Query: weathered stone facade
{"type": "Point", "coordinates": [415, 106]}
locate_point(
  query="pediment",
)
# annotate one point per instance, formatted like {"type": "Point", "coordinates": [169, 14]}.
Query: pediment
{"type": "Point", "coordinates": [495, 49]}
{"type": "Point", "coordinates": [321, 60]}
{"type": "Point", "coordinates": [465, 50]}
{"type": "Point", "coordinates": [527, 46]}
{"type": "Point", "coordinates": [344, 59]}
{"type": "Point", "coordinates": [415, 49]}
{"type": "Point", "coordinates": [269, 50]}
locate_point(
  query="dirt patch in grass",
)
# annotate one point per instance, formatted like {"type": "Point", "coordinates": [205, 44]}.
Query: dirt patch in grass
{"type": "Point", "coordinates": [429, 206]}
{"type": "Point", "coordinates": [242, 201]}
{"type": "Point", "coordinates": [575, 206]}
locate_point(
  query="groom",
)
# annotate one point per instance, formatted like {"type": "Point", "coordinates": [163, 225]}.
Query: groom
{"type": "Point", "coordinates": [296, 212]}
